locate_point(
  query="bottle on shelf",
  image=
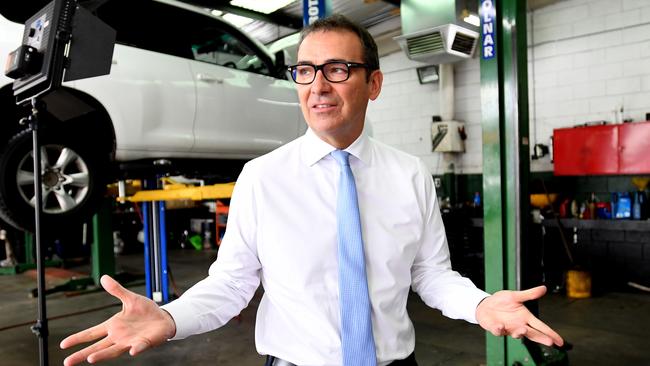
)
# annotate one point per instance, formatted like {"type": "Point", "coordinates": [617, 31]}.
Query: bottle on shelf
{"type": "Point", "coordinates": [591, 205]}
{"type": "Point", "coordinates": [624, 206]}
{"type": "Point", "coordinates": [639, 206]}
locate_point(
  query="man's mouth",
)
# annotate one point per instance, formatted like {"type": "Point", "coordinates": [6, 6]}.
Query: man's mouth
{"type": "Point", "coordinates": [323, 105]}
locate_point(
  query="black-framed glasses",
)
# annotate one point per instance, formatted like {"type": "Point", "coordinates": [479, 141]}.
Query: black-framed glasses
{"type": "Point", "coordinates": [334, 71]}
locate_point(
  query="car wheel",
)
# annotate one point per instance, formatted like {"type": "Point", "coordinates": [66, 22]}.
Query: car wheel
{"type": "Point", "coordinates": [72, 173]}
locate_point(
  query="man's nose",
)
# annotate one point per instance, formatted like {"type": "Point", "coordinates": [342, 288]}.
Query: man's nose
{"type": "Point", "coordinates": [320, 84]}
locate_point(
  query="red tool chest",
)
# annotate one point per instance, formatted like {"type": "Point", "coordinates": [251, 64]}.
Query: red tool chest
{"type": "Point", "coordinates": [604, 149]}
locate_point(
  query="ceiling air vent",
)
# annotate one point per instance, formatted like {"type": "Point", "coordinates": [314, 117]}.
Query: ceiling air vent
{"type": "Point", "coordinates": [463, 44]}
{"type": "Point", "coordinates": [424, 44]}
{"type": "Point", "coordinates": [442, 44]}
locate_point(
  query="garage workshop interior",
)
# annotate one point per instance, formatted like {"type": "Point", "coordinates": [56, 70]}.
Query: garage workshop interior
{"type": "Point", "coordinates": [532, 119]}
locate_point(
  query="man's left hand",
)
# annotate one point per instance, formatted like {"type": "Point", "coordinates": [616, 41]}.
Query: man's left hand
{"type": "Point", "coordinates": [504, 313]}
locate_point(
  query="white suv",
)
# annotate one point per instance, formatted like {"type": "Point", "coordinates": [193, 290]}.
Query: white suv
{"type": "Point", "coordinates": [184, 86]}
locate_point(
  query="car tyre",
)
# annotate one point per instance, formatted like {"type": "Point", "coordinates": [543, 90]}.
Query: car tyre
{"type": "Point", "coordinates": [73, 178]}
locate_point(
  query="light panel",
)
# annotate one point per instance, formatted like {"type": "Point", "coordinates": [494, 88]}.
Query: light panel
{"type": "Point", "coordinates": [473, 19]}
{"type": "Point", "coordinates": [237, 20]}
{"type": "Point", "coordinates": [266, 6]}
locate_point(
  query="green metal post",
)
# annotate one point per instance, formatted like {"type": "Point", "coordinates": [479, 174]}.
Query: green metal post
{"type": "Point", "coordinates": [517, 153]}
{"type": "Point", "coordinates": [29, 248]}
{"type": "Point", "coordinates": [103, 257]}
{"type": "Point", "coordinates": [504, 108]}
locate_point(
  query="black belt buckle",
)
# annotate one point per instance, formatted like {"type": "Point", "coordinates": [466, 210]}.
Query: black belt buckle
{"type": "Point", "coordinates": [274, 361]}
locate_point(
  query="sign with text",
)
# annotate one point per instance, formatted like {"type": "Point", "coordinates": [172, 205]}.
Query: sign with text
{"type": "Point", "coordinates": [488, 29]}
{"type": "Point", "coordinates": [312, 10]}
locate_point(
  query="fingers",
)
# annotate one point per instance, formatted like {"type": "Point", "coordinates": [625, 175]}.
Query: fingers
{"type": "Point", "coordinates": [100, 330]}
{"type": "Point", "coordinates": [548, 331]}
{"type": "Point", "coordinates": [519, 332]}
{"type": "Point", "coordinates": [106, 349]}
{"type": "Point", "coordinates": [103, 350]}
{"type": "Point", "coordinates": [82, 355]}
{"type": "Point", "coordinates": [546, 335]}
{"type": "Point", "coordinates": [88, 335]}
{"type": "Point", "coordinates": [108, 353]}
{"type": "Point", "coordinates": [530, 294]}
{"type": "Point", "coordinates": [114, 288]}
{"type": "Point", "coordinates": [539, 337]}
{"type": "Point", "coordinates": [139, 347]}
{"type": "Point", "coordinates": [498, 330]}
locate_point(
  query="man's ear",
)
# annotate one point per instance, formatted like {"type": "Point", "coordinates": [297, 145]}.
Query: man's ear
{"type": "Point", "coordinates": [376, 79]}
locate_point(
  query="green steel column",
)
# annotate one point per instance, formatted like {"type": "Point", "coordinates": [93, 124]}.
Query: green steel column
{"type": "Point", "coordinates": [504, 108]}
{"type": "Point", "coordinates": [517, 152]}
{"type": "Point", "coordinates": [491, 102]}
{"type": "Point", "coordinates": [29, 248]}
{"type": "Point", "coordinates": [103, 257]}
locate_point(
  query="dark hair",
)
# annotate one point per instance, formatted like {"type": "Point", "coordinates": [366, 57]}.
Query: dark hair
{"type": "Point", "coordinates": [338, 22]}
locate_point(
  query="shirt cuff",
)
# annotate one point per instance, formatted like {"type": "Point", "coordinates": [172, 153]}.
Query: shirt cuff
{"type": "Point", "coordinates": [473, 300]}
{"type": "Point", "coordinates": [183, 319]}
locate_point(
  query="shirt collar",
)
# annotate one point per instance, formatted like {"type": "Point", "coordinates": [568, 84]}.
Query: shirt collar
{"type": "Point", "coordinates": [314, 149]}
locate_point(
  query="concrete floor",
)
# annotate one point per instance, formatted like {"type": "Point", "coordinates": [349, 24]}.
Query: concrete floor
{"type": "Point", "coordinates": [608, 330]}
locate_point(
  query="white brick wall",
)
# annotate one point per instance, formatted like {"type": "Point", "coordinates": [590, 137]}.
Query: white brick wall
{"type": "Point", "coordinates": [401, 116]}
{"type": "Point", "coordinates": [588, 59]}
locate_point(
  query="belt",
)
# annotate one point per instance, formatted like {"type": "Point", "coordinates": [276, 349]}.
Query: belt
{"type": "Point", "coordinates": [274, 361]}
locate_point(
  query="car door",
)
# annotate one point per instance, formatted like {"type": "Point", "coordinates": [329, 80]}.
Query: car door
{"type": "Point", "coordinates": [150, 93]}
{"type": "Point", "coordinates": [242, 110]}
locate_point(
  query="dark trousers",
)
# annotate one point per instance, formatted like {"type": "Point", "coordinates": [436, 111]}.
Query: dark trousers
{"type": "Point", "coordinates": [409, 361]}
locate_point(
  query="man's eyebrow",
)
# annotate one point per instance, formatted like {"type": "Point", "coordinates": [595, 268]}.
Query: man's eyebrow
{"type": "Point", "coordinates": [326, 61]}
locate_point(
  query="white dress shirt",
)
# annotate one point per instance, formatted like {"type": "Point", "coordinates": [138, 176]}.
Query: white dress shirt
{"type": "Point", "coordinates": [282, 231]}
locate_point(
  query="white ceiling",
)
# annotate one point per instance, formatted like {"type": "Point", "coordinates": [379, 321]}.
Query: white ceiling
{"type": "Point", "coordinates": [379, 16]}
{"type": "Point", "coordinates": [366, 12]}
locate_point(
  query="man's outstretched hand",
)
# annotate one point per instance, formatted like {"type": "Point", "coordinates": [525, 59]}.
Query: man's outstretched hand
{"type": "Point", "coordinates": [504, 313]}
{"type": "Point", "coordinates": [140, 325]}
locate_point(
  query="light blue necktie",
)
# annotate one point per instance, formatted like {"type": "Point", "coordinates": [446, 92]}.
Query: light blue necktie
{"type": "Point", "coordinates": [356, 328]}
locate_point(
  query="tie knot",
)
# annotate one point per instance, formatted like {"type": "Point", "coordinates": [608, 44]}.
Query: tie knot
{"type": "Point", "coordinates": [342, 157]}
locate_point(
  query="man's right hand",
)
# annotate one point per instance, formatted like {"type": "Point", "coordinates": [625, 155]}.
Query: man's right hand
{"type": "Point", "coordinates": [140, 325]}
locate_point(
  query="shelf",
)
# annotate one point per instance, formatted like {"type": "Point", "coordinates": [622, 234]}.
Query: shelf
{"type": "Point", "coordinates": [620, 225]}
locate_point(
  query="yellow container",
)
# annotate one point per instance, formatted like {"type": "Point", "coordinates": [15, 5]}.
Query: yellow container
{"type": "Point", "coordinates": [542, 200]}
{"type": "Point", "coordinates": [578, 284]}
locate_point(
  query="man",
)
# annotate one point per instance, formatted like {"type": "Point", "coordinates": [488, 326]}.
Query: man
{"type": "Point", "coordinates": [336, 263]}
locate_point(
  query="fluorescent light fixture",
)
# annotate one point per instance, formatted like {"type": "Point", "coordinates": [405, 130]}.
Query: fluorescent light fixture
{"type": "Point", "coordinates": [265, 6]}
{"type": "Point", "coordinates": [216, 13]}
{"type": "Point", "coordinates": [473, 19]}
{"type": "Point", "coordinates": [237, 20]}
{"type": "Point", "coordinates": [428, 74]}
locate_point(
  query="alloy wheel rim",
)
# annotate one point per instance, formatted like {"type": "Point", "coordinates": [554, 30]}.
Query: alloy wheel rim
{"type": "Point", "coordinates": [65, 179]}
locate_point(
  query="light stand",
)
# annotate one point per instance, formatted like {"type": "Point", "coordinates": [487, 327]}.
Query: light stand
{"type": "Point", "coordinates": [61, 42]}
{"type": "Point", "coordinates": [40, 329]}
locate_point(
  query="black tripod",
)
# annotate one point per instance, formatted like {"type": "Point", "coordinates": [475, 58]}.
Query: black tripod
{"type": "Point", "coordinates": [40, 329]}
{"type": "Point", "coordinates": [38, 66]}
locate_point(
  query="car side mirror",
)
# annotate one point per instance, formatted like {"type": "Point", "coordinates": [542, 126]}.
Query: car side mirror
{"type": "Point", "coordinates": [280, 66]}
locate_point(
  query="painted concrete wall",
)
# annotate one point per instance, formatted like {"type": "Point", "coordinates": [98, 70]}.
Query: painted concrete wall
{"type": "Point", "coordinates": [587, 60]}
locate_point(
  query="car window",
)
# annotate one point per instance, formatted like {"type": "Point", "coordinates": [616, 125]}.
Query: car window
{"type": "Point", "coordinates": [178, 32]}
{"type": "Point", "coordinates": [217, 46]}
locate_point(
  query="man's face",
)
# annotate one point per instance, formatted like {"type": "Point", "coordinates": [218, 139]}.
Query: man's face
{"type": "Point", "coordinates": [336, 111]}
